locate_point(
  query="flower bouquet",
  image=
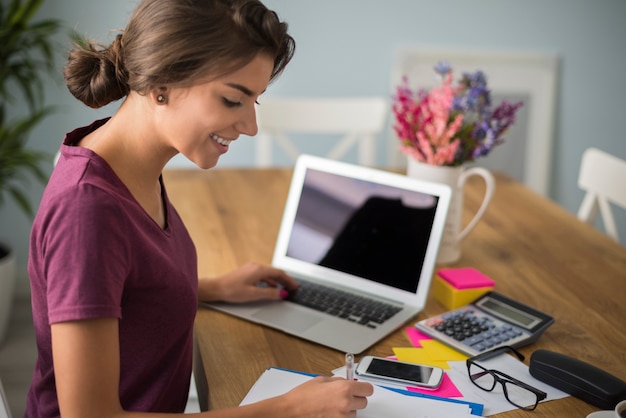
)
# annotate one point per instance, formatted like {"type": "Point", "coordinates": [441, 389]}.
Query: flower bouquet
{"type": "Point", "coordinates": [450, 125]}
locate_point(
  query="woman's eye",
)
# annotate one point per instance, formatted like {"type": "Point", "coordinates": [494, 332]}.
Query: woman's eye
{"type": "Point", "coordinates": [230, 103]}
{"type": "Point", "coordinates": [256, 102]}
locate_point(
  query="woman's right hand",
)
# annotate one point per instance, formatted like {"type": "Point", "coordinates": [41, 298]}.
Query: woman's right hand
{"type": "Point", "coordinates": [327, 397]}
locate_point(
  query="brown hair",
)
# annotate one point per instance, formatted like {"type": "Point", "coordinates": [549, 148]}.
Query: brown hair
{"type": "Point", "coordinates": [177, 43]}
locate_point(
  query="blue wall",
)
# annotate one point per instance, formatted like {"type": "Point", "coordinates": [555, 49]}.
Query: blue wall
{"type": "Point", "coordinates": [346, 47]}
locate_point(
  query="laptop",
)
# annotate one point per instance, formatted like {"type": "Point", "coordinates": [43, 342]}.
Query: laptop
{"type": "Point", "coordinates": [367, 235]}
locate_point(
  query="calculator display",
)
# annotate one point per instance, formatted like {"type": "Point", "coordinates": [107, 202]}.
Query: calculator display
{"type": "Point", "coordinates": [509, 313]}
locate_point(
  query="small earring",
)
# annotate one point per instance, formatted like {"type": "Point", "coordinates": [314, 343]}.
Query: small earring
{"type": "Point", "coordinates": [160, 98]}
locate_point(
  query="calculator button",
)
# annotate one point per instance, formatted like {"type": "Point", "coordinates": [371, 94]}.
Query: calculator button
{"type": "Point", "coordinates": [473, 329]}
{"type": "Point", "coordinates": [479, 347]}
{"type": "Point", "coordinates": [473, 340]}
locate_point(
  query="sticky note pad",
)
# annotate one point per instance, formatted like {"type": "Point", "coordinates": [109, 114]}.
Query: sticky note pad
{"type": "Point", "coordinates": [456, 287]}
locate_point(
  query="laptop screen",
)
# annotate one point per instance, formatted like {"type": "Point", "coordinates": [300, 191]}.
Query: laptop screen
{"type": "Point", "coordinates": [375, 231]}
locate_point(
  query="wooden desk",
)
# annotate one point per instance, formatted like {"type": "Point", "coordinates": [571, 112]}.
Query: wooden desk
{"type": "Point", "coordinates": [535, 251]}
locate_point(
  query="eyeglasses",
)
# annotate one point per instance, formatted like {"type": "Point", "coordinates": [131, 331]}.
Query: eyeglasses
{"type": "Point", "coordinates": [516, 392]}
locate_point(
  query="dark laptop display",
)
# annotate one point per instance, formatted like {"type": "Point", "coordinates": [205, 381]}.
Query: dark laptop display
{"type": "Point", "coordinates": [374, 231]}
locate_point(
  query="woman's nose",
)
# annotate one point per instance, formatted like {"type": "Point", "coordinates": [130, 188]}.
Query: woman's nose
{"type": "Point", "coordinates": [248, 124]}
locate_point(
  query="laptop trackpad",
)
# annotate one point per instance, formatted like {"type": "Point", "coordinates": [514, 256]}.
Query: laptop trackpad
{"type": "Point", "coordinates": [294, 320]}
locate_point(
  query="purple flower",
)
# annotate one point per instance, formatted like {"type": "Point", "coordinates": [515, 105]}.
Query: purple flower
{"type": "Point", "coordinates": [476, 80]}
{"type": "Point", "coordinates": [504, 116]}
{"type": "Point", "coordinates": [442, 68]}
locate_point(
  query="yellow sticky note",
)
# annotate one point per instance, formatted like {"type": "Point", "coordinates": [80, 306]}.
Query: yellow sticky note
{"type": "Point", "coordinates": [440, 351]}
{"type": "Point", "coordinates": [419, 356]}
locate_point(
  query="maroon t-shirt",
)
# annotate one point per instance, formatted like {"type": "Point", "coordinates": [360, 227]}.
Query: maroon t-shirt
{"type": "Point", "coordinates": [95, 253]}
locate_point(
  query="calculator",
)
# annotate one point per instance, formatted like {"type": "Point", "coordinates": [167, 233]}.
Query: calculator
{"type": "Point", "coordinates": [491, 321]}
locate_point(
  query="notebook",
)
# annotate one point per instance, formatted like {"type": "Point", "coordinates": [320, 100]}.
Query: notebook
{"type": "Point", "coordinates": [366, 233]}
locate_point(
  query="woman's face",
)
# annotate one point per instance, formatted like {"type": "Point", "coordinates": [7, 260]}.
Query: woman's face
{"type": "Point", "coordinates": [201, 121]}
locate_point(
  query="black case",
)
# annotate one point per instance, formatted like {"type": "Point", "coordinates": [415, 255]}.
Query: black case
{"type": "Point", "coordinates": [579, 379]}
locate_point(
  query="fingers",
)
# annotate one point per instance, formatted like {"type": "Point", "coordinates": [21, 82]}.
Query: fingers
{"type": "Point", "coordinates": [357, 392]}
{"type": "Point", "coordinates": [360, 392]}
{"type": "Point", "coordinates": [279, 283]}
{"type": "Point", "coordinates": [342, 398]}
{"type": "Point", "coordinates": [268, 293]}
{"type": "Point", "coordinates": [275, 277]}
{"type": "Point", "coordinates": [363, 389]}
{"type": "Point", "coordinates": [242, 285]}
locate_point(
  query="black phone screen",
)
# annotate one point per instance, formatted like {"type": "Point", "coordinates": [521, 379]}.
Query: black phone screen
{"type": "Point", "coordinates": [394, 369]}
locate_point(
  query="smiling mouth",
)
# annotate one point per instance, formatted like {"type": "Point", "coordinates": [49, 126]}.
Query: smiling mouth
{"type": "Point", "coordinates": [220, 140]}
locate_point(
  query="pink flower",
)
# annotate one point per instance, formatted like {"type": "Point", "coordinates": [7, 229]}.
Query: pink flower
{"type": "Point", "coordinates": [430, 138]}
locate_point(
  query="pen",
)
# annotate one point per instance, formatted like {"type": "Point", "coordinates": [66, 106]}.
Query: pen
{"type": "Point", "coordinates": [349, 366]}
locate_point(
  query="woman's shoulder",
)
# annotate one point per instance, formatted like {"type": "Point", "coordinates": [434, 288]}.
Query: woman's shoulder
{"type": "Point", "coordinates": [82, 174]}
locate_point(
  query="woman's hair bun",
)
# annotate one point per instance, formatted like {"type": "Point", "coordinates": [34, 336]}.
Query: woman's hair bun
{"type": "Point", "coordinates": [95, 75]}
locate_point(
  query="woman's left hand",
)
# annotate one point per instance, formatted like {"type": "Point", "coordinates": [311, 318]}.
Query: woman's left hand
{"type": "Point", "coordinates": [243, 285]}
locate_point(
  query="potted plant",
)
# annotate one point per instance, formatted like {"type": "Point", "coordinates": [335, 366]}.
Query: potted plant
{"type": "Point", "coordinates": [25, 54]}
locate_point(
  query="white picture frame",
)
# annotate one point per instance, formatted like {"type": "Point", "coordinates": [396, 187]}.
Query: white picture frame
{"type": "Point", "coordinates": [526, 74]}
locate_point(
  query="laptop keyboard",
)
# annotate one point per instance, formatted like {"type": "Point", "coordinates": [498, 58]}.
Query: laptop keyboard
{"type": "Point", "coordinates": [358, 309]}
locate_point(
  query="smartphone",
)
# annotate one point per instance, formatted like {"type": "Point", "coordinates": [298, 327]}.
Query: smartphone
{"type": "Point", "coordinates": [399, 372]}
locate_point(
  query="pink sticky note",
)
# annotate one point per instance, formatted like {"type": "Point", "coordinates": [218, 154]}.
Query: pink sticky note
{"type": "Point", "coordinates": [447, 389]}
{"type": "Point", "coordinates": [415, 336]}
{"type": "Point", "coordinates": [465, 278]}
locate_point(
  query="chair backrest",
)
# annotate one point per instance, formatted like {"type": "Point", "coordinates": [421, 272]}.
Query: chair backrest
{"type": "Point", "coordinates": [602, 176]}
{"type": "Point", "coordinates": [357, 121]}
{"type": "Point", "coordinates": [5, 412]}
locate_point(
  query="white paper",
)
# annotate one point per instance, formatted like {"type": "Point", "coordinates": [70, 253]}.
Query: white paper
{"type": "Point", "coordinates": [383, 403]}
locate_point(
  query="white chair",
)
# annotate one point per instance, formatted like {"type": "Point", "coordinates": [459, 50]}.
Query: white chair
{"type": "Point", "coordinates": [356, 120]}
{"type": "Point", "coordinates": [602, 176]}
{"type": "Point", "coordinates": [5, 412]}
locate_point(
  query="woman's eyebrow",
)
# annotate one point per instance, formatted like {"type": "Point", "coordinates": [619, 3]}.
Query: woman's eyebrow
{"type": "Point", "coordinates": [243, 89]}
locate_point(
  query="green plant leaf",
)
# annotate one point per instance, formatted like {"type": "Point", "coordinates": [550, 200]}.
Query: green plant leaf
{"type": "Point", "coordinates": [26, 54]}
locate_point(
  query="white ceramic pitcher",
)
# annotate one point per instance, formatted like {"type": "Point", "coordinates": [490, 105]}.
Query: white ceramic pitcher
{"type": "Point", "coordinates": [455, 177]}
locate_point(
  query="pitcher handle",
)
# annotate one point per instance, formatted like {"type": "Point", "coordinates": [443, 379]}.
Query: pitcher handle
{"type": "Point", "coordinates": [490, 185]}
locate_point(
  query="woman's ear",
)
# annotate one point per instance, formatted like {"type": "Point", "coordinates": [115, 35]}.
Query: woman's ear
{"type": "Point", "coordinates": [159, 96]}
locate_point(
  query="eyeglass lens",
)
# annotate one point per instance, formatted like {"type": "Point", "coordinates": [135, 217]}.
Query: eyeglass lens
{"type": "Point", "coordinates": [517, 395]}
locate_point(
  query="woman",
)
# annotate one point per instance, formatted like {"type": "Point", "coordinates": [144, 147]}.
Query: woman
{"type": "Point", "coordinates": [112, 267]}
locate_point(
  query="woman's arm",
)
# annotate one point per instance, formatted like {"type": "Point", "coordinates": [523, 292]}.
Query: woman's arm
{"type": "Point", "coordinates": [87, 369]}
